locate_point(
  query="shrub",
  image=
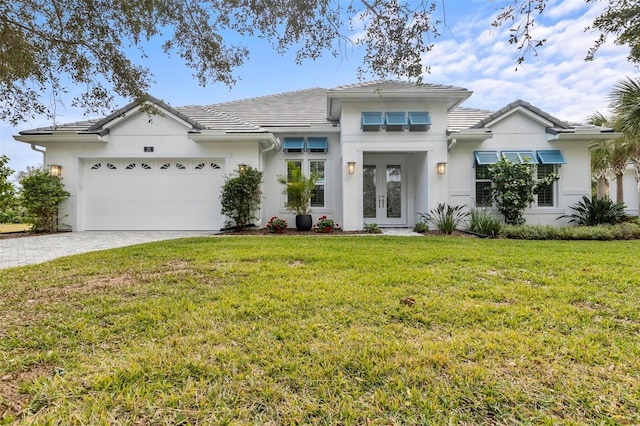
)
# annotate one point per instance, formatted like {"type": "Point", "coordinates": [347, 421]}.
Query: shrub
{"type": "Point", "coordinates": [623, 231]}
{"type": "Point", "coordinates": [276, 225]}
{"type": "Point", "coordinates": [372, 228]}
{"type": "Point", "coordinates": [596, 211]}
{"type": "Point", "coordinates": [41, 196]}
{"type": "Point", "coordinates": [7, 191]}
{"type": "Point", "coordinates": [514, 187]}
{"type": "Point", "coordinates": [326, 224]}
{"type": "Point", "coordinates": [445, 218]}
{"type": "Point", "coordinates": [482, 222]}
{"type": "Point", "coordinates": [241, 197]}
{"type": "Point", "coordinates": [421, 228]}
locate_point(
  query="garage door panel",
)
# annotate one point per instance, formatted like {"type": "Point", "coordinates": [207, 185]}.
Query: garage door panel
{"type": "Point", "coordinates": [154, 198]}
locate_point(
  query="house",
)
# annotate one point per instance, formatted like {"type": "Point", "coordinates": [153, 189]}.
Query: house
{"type": "Point", "coordinates": [386, 151]}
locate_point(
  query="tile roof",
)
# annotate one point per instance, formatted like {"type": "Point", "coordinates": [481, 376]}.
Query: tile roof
{"type": "Point", "coordinates": [520, 103]}
{"type": "Point", "coordinates": [301, 107]}
{"type": "Point", "coordinates": [465, 118]}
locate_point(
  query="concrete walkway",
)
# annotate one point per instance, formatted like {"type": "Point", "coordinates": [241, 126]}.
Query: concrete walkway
{"type": "Point", "coordinates": [31, 250]}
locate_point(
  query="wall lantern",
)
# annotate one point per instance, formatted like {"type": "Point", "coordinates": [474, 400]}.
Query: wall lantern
{"type": "Point", "coordinates": [242, 167]}
{"type": "Point", "coordinates": [442, 168]}
{"type": "Point", "coordinates": [55, 170]}
{"type": "Point", "coordinates": [351, 166]}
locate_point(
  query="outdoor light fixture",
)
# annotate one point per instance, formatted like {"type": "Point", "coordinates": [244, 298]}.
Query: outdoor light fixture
{"type": "Point", "coordinates": [242, 167]}
{"type": "Point", "coordinates": [442, 168]}
{"type": "Point", "coordinates": [351, 166]}
{"type": "Point", "coordinates": [55, 170]}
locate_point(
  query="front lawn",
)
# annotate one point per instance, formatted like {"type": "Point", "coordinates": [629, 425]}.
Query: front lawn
{"type": "Point", "coordinates": [339, 330]}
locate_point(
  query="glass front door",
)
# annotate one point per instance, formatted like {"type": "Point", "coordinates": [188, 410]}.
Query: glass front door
{"type": "Point", "coordinates": [383, 190]}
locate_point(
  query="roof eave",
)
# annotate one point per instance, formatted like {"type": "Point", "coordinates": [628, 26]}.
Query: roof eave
{"type": "Point", "coordinates": [596, 136]}
{"type": "Point", "coordinates": [59, 137]}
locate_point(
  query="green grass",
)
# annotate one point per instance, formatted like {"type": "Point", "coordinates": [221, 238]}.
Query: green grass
{"type": "Point", "coordinates": [312, 330]}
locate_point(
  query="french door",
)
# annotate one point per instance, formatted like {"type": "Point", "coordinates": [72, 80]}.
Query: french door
{"type": "Point", "coordinates": [384, 198]}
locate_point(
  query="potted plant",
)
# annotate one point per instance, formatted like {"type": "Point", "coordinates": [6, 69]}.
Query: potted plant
{"type": "Point", "coordinates": [299, 190]}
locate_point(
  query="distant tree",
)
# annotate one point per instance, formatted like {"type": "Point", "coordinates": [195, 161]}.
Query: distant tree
{"type": "Point", "coordinates": [7, 191]}
{"type": "Point", "coordinates": [240, 197]}
{"type": "Point", "coordinates": [41, 196]}
{"type": "Point", "coordinates": [47, 45]}
{"type": "Point", "coordinates": [620, 19]}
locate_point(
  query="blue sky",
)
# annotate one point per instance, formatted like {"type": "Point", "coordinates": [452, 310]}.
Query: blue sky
{"type": "Point", "coordinates": [470, 53]}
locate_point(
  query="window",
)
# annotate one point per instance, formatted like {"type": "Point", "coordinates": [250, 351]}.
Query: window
{"type": "Point", "coordinates": [419, 121]}
{"type": "Point", "coordinates": [318, 199]}
{"type": "Point", "coordinates": [395, 121]}
{"type": "Point", "coordinates": [372, 121]}
{"type": "Point", "coordinates": [291, 166]}
{"type": "Point", "coordinates": [293, 145]}
{"type": "Point", "coordinates": [520, 156]}
{"type": "Point", "coordinates": [317, 144]}
{"type": "Point", "coordinates": [545, 193]}
{"type": "Point", "coordinates": [483, 186]}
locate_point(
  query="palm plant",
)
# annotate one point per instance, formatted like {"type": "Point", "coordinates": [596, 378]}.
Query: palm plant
{"type": "Point", "coordinates": [625, 101]}
{"type": "Point", "coordinates": [445, 218]}
{"type": "Point", "coordinates": [299, 189]}
{"type": "Point", "coordinates": [596, 211]}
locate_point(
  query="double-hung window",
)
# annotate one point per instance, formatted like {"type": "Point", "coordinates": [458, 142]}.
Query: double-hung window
{"type": "Point", "coordinates": [317, 167]}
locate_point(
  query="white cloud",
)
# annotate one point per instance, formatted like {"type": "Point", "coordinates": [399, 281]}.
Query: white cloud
{"type": "Point", "coordinates": [558, 80]}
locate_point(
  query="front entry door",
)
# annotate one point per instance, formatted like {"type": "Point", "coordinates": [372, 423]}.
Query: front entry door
{"type": "Point", "coordinates": [384, 190]}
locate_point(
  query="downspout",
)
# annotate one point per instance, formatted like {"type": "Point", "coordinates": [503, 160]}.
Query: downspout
{"type": "Point", "coordinates": [271, 147]}
{"type": "Point", "coordinates": [42, 151]}
{"type": "Point", "coordinates": [452, 143]}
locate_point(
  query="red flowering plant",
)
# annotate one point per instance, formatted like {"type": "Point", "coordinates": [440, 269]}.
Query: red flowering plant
{"type": "Point", "coordinates": [276, 225]}
{"type": "Point", "coordinates": [326, 225]}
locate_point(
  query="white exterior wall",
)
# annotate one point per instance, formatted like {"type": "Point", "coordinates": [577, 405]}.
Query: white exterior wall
{"type": "Point", "coordinates": [127, 140]}
{"type": "Point", "coordinates": [274, 200]}
{"type": "Point", "coordinates": [630, 190]}
{"type": "Point", "coordinates": [423, 151]}
{"type": "Point", "coordinates": [519, 132]}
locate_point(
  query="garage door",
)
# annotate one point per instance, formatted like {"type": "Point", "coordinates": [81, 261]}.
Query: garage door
{"type": "Point", "coordinates": [135, 194]}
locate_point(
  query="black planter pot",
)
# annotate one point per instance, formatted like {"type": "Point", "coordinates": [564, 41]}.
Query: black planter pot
{"type": "Point", "coordinates": [304, 222]}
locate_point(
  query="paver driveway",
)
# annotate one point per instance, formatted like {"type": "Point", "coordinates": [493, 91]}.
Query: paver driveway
{"type": "Point", "coordinates": [30, 250]}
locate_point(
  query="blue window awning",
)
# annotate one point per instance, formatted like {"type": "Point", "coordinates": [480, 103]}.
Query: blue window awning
{"type": "Point", "coordinates": [551, 156]}
{"type": "Point", "coordinates": [484, 158]}
{"type": "Point", "coordinates": [317, 144]}
{"type": "Point", "coordinates": [372, 119]}
{"type": "Point", "coordinates": [419, 119]}
{"type": "Point", "coordinates": [293, 144]}
{"type": "Point", "coordinates": [520, 156]}
{"type": "Point", "coordinates": [396, 119]}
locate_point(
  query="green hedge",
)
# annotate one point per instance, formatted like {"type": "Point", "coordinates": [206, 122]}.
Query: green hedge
{"type": "Point", "coordinates": [623, 231]}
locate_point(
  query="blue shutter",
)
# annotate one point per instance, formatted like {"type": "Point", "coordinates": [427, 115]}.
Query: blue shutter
{"type": "Point", "coordinates": [520, 156]}
{"type": "Point", "coordinates": [484, 158]}
{"type": "Point", "coordinates": [372, 121]}
{"type": "Point", "coordinates": [396, 119]}
{"type": "Point", "coordinates": [293, 145]}
{"type": "Point", "coordinates": [419, 121]}
{"type": "Point", "coordinates": [317, 144]}
{"type": "Point", "coordinates": [551, 156]}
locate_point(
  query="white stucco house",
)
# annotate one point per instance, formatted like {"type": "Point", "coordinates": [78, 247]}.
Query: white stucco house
{"type": "Point", "coordinates": [387, 150]}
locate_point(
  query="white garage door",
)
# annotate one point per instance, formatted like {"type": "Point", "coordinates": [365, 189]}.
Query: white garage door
{"type": "Point", "coordinates": [136, 194]}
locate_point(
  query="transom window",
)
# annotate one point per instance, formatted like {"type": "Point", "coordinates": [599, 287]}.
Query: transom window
{"type": "Point", "coordinates": [299, 145]}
